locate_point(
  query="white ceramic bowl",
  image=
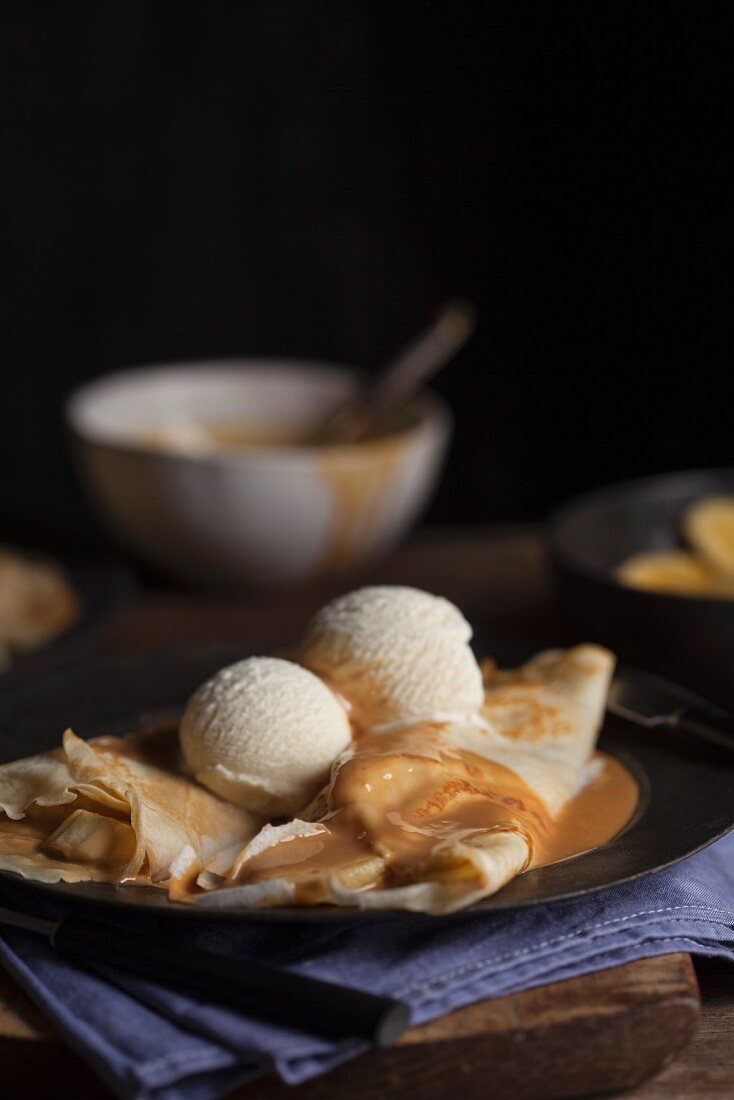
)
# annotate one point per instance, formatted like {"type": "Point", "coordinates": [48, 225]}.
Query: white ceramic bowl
{"type": "Point", "coordinates": [264, 514]}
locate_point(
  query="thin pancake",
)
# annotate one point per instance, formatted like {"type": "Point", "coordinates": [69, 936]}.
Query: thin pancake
{"type": "Point", "coordinates": [434, 817]}
{"type": "Point", "coordinates": [113, 810]}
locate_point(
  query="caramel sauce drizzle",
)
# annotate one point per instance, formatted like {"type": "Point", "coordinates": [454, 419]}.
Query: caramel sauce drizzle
{"type": "Point", "coordinates": [403, 799]}
{"type": "Point", "coordinates": [396, 802]}
{"type": "Point", "coordinates": [359, 490]}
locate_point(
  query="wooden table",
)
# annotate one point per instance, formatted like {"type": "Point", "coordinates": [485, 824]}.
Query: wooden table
{"type": "Point", "coordinates": [605, 1032]}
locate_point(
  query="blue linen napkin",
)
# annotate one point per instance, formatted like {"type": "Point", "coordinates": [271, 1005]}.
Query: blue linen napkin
{"type": "Point", "coordinates": [151, 1043]}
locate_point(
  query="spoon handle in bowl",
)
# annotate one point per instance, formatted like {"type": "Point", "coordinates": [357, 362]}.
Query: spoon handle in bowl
{"type": "Point", "coordinates": [403, 376]}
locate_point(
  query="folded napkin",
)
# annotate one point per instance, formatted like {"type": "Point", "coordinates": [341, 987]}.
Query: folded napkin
{"type": "Point", "coordinates": [151, 1042]}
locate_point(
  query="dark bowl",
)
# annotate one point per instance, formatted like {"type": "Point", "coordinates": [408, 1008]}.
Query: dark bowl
{"type": "Point", "coordinates": [688, 639]}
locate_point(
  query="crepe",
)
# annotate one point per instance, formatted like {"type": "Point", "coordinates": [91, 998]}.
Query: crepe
{"type": "Point", "coordinates": [432, 816]}
{"type": "Point", "coordinates": [37, 603]}
{"type": "Point", "coordinates": [435, 816]}
{"type": "Point", "coordinates": [115, 810]}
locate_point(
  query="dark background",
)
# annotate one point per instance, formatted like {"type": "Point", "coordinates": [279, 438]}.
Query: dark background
{"type": "Point", "coordinates": [311, 178]}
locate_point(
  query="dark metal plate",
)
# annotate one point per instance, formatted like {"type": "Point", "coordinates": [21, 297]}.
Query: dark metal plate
{"type": "Point", "coordinates": [687, 786]}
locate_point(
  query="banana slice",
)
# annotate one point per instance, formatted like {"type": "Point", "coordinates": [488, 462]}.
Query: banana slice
{"type": "Point", "coordinates": [675, 571]}
{"type": "Point", "coordinates": [709, 527]}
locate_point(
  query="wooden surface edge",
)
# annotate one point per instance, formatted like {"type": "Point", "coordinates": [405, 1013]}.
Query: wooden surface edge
{"type": "Point", "coordinates": [602, 1032]}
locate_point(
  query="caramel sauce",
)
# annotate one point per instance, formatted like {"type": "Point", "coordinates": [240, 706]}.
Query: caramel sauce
{"type": "Point", "coordinates": [105, 854]}
{"type": "Point", "coordinates": [359, 489]}
{"type": "Point", "coordinates": [404, 800]}
{"type": "Point", "coordinates": [33, 837]}
{"type": "Point", "coordinates": [394, 811]}
{"type": "Point", "coordinates": [199, 435]}
{"type": "Point", "coordinates": [196, 437]}
{"type": "Point", "coordinates": [594, 816]}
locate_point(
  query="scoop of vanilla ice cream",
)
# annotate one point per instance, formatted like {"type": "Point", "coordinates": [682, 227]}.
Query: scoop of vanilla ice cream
{"type": "Point", "coordinates": [263, 733]}
{"type": "Point", "coordinates": [397, 655]}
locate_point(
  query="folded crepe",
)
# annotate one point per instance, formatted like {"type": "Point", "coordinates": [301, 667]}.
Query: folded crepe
{"type": "Point", "coordinates": [435, 816]}
{"type": "Point", "coordinates": [430, 817]}
{"type": "Point", "coordinates": [115, 810]}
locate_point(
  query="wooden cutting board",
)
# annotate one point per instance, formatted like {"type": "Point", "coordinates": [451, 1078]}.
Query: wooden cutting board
{"type": "Point", "coordinates": [601, 1033]}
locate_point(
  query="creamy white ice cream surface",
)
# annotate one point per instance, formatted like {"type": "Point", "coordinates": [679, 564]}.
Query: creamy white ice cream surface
{"type": "Point", "coordinates": [263, 733]}
{"type": "Point", "coordinates": [397, 654]}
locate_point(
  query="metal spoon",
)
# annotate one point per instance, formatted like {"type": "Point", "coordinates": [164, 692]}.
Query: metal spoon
{"type": "Point", "coordinates": [373, 406]}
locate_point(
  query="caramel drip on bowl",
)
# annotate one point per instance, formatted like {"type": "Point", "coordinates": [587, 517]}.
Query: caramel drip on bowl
{"type": "Point", "coordinates": [359, 489]}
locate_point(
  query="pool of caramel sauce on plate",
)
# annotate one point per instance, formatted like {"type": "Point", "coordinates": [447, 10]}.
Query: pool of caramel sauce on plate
{"type": "Point", "coordinates": [409, 797]}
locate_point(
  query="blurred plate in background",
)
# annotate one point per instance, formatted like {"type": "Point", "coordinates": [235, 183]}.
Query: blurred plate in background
{"type": "Point", "coordinates": [689, 639]}
{"type": "Point", "coordinates": [102, 586]}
